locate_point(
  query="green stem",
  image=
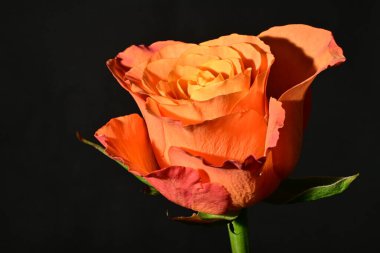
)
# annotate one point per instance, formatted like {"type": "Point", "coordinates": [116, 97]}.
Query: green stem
{"type": "Point", "coordinates": [238, 232]}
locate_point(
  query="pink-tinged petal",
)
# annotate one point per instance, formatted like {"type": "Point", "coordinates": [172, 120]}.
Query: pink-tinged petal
{"type": "Point", "coordinates": [130, 64]}
{"type": "Point", "coordinates": [134, 55]}
{"type": "Point", "coordinates": [132, 79]}
{"type": "Point", "coordinates": [190, 188]}
{"type": "Point", "coordinates": [302, 52]}
{"type": "Point", "coordinates": [275, 122]}
{"type": "Point", "coordinates": [246, 186]}
{"type": "Point", "coordinates": [126, 140]}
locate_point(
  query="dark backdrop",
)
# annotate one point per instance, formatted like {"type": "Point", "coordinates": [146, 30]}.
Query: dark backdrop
{"type": "Point", "coordinates": [58, 195]}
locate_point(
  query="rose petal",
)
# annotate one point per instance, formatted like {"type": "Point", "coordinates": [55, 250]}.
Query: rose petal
{"type": "Point", "coordinates": [222, 52]}
{"type": "Point", "coordinates": [275, 122]}
{"type": "Point", "coordinates": [194, 112]}
{"type": "Point", "coordinates": [160, 45]}
{"type": "Point", "coordinates": [239, 83]}
{"type": "Point", "coordinates": [190, 188]}
{"type": "Point", "coordinates": [250, 55]}
{"type": "Point", "coordinates": [245, 186]}
{"type": "Point", "coordinates": [233, 137]}
{"type": "Point", "coordinates": [134, 55]}
{"type": "Point", "coordinates": [234, 38]}
{"type": "Point", "coordinates": [126, 139]}
{"type": "Point", "coordinates": [159, 70]}
{"type": "Point", "coordinates": [172, 51]}
{"type": "Point", "coordinates": [302, 52]}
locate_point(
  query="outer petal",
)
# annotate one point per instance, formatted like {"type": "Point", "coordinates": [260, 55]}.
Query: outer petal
{"type": "Point", "coordinates": [190, 188]}
{"type": "Point", "coordinates": [172, 51]}
{"type": "Point", "coordinates": [302, 52]}
{"type": "Point", "coordinates": [156, 130]}
{"type": "Point", "coordinates": [234, 38]}
{"type": "Point", "coordinates": [131, 63]}
{"type": "Point", "coordinates": [126, 139]}
{"type": "Point", "coordinates": [245, 186]}
{"type": "Point", "coordinates": [134, 55]}
{"type": "Point", "coordinates": [234, 137]}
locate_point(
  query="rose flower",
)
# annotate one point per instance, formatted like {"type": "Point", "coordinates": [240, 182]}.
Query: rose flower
{"type": "Point", "coordinates": [222, 120]}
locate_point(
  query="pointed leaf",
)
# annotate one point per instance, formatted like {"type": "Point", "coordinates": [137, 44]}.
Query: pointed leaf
{"type": "Point", "coordinates": [150, 189]}
{"type": "Point", "coordinates": [309, 189]}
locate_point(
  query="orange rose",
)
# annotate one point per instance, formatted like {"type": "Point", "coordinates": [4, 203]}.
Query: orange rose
{"type": "Point", "coordinates": [223, 119]}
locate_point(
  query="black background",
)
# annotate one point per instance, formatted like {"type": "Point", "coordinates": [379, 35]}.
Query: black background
{"type": "Point", "coordinates": [58, 195]}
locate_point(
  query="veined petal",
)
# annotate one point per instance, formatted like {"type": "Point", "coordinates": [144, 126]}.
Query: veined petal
{"type": "Point", "coordinates": [190, 188]}
{"type": "Point", "coordinates": [245, 186]}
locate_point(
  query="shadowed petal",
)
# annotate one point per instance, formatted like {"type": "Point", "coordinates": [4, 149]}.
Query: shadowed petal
{"type": "Point", "coordinates": [302, 52]}
{"type": "Point", "coordinates": [126, 140]}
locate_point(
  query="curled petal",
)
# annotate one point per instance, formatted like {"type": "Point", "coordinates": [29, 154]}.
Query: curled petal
{"type": "Point", "coordinates": [126, 140]}
{"type": "Point", "coordinates": [134, 55]}
{"type": "Point", "coordinates": [302, 52]}
{"type": "Point", "coordinates": [190, 188]}
{"type": "Point", "coordinates": [239, 83]}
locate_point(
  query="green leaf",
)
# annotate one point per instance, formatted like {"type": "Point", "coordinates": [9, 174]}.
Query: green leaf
{"type": "Point", "coordinates": [228, 217]}
{"type": "Point", "coordinates": [309, 189]}
{"type": "Point", "coordinates": [206, 218]}
{"type": "Point", "coordinates": [150, 189]}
